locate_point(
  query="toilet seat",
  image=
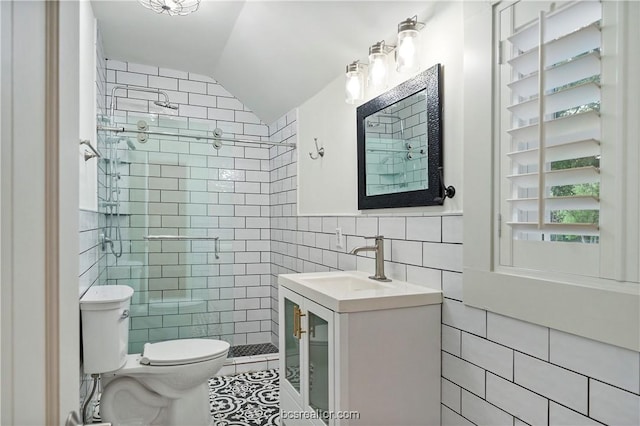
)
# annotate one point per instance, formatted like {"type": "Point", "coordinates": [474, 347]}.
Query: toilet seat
{"type": "Point", "coordinates": [183, 351]}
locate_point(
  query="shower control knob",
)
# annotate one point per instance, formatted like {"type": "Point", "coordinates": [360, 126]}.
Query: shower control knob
{"type": "Point", "coordinates": [142, 125]}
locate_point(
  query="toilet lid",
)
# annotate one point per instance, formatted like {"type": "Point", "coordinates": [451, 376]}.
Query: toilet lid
{"type": "Point", "coordinates": [184, 351]}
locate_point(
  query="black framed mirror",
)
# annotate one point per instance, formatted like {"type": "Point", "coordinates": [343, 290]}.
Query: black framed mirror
{"type": "Point", "coordinates": [400, 145]}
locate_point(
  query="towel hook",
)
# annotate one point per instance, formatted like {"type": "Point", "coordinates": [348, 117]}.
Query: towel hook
{"type": "Point", "coordinates": [319, 151]}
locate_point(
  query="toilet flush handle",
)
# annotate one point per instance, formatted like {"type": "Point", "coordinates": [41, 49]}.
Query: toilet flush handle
{"type": "Point", "coordinates": [125, 314]}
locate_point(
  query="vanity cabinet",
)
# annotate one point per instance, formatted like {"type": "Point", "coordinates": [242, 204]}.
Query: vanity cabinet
{"type": "Point", "coordinates": [382, 364]}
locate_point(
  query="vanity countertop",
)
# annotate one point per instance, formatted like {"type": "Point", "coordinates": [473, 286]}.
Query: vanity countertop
{"type": "Point", "coordinates": [354, 291]}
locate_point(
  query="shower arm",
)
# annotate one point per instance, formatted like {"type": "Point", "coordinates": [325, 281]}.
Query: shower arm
{"type": "Point", "coordinates": [139, 89]}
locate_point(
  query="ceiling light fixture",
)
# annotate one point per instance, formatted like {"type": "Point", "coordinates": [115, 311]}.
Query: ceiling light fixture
{"type": "Point", "coordinates": [354, 85]}
{"type": "Point", "coordinates": [407, 53]}
{"type": "Point", "coordinates": [171, 7]}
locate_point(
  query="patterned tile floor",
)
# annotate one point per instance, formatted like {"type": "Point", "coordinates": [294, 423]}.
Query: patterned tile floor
{"type": "Point", "coordinates": [247, 399]}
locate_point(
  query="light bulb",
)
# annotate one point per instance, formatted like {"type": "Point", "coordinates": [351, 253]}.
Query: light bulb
{"type": "Point", "coordinates": [407, 51]}
{"type": "Point", "coordinates": [354, 85]}
{"type": "Point", "coordinates": [378, 74]}
{"type": "Point", "coordinates": [407, 54]}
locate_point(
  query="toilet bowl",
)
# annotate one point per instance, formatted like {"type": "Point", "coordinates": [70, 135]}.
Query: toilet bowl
{"type": "Point", "coordinates": [167, 384]}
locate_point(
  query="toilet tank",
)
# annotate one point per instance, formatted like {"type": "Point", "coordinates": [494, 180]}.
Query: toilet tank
{"type": "Point", "coordinates": [105, 327]}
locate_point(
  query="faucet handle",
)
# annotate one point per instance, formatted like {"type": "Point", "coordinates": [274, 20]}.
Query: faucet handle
{"type": "Point", "coordinates": [375, 237]}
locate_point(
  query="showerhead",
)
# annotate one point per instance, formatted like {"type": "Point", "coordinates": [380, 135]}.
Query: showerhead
{"type": "Point", "coordinates": [166, 104]}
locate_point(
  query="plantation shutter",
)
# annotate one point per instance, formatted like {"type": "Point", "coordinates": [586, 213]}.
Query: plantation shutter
{"type": "Point", "coordinates": [554, 129]}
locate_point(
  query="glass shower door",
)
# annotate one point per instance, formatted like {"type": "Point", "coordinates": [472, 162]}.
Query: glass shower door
{"type": "Point", "coordinates": [173, 248]}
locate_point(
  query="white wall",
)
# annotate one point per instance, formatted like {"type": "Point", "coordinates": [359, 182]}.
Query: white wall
{"type": "Point", "coordinates": [331, 183]}
{"type": "Point", "coordinates": [23, 256]}
{"type": "Point", "coordinates": [88, 182]}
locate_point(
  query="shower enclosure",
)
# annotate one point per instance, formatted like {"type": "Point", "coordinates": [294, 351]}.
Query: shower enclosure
{"type": "Point", "coordinates": [187, 224]}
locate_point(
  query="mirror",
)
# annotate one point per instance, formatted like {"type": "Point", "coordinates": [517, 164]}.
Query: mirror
{"type": "Point", "coordinates": [400, 145]}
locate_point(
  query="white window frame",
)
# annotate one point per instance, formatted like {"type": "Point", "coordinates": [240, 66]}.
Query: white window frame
{"type": "Point", "coordinates": [604, 308]}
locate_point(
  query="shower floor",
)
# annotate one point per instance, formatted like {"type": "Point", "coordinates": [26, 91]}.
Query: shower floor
{"type": "Point", "coordinates": [252, 350]}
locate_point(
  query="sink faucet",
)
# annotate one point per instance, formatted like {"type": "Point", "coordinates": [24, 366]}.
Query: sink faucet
{"type": "Point", "coordinates": [378, 248]}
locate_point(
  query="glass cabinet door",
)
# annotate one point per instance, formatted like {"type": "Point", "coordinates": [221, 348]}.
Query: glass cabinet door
{"type": "Point", "coordinates": [306, 357]}
{"type": "Point", "coordinates": [318, 361]}
{"type": "Point", "coordinates": [292, 346]}
{"type": "Point", "coordinates": [318, 368]}
{"type": "Point", "coordinates": [292, 357]}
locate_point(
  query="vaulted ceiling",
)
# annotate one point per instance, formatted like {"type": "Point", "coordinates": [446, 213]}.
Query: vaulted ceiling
{"type": "Point", "coordinates": [271, 55]}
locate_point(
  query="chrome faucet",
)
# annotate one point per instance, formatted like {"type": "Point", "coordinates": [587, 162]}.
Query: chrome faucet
{"type": "Point", "coordinates": [378, 248]}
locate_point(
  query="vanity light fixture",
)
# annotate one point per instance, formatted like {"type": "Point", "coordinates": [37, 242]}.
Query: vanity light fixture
{"type": "Point", "coordinates": [171, 7]}
{"type": "Point", "coordinates": [354, 85]}
{"type": "Point", "coordinates": [407, 55]}
{"type": "Point", "coordinates": [407, 52]}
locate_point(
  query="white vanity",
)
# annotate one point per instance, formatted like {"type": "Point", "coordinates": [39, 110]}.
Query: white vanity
{"type": "Point", "coordinates": [352, 344]}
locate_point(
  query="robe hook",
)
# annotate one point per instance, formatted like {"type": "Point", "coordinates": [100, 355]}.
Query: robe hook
{"type": "Point", "coordinates": [319, 151]}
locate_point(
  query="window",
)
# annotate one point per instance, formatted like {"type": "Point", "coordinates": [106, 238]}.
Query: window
{"type": "Point", "coordinates": [550, 135]}
{"type": "Point", "coordinates": [552, 166]}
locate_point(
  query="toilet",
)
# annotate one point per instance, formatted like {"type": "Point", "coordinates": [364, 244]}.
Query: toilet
{"type": "Point", "coordinates": [167, 384]}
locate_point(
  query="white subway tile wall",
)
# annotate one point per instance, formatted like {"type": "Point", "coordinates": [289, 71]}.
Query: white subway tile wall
{"type": "Point", "coordinates": [488, 355]}
{"type": "Point", "coordinates": [562, 416]}
{"type": "Point", "coordinates": [496, 370]}
{"type": "Point", "coordinates": [616, 366]}
{"type": "Point", "coordinates": [452, 418]}
{"type": "Point", "coordinates": [91, 267]}
{"type": "Point", "coordinates": [522, 403]}
{"type": "Point", "coordinates": [463, 373]}
{"type": "Point", "coordinates": [563, 386]}
{"type": "Point", "coordinates": [611, 405]}
{"type": "Point", "coordinates": [483, 413]}
{"type": "Point", "coordinates": [451, 395]}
